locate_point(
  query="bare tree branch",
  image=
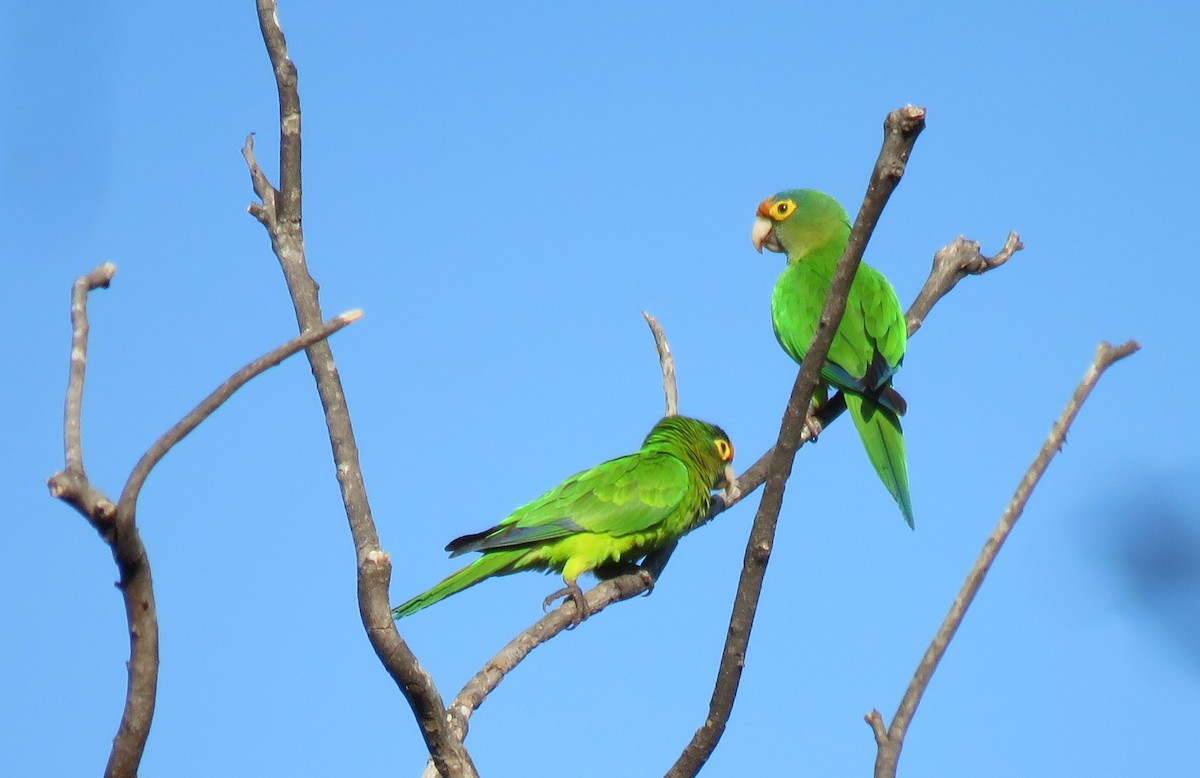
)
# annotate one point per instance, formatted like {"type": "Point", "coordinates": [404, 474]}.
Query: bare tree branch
{"type": "Point", "coordinates": [280, 213]}
{"type": "Point", "coordinates": [476, 690]}
{"type": "Point", "coordinates": [950, 264]}
{"type": "Point", "coordinates": [901, 129]}
{"type": "Point", "coordinates": [116, 524]}
{"type": "Point", "coordinates": [73, 413]}
{"type": "Point", "coordinates": [667, 362]}
{"type": "Point", "coordinates": [890, 741]}
{"type": "Point", "coordinates": [72, 486]}
{"type": "Point", "coordinates": [222, 393]}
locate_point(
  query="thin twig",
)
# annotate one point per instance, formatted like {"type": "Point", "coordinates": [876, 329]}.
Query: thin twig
{"type": "Point", "coordinates": [667, 362]}
{"type": "Point", "coordinates": [263, 211]}
{"type": "Point", "coordinates": [99, 278]}
{"type": "Point", "coordinates": [952, 264]}
{"type": "Point", "coordinates": [482, 683]}
{"type": "Point", "coordinates": [901, 129]}
{"type": "Point", "coordinates": [117, 525]}
{"type": "Point", "coordinates": [374, 568]}
{"type": "Point", "coordinates": [891, 740]}
{"type": "Point", "coordinates": [209, 404]}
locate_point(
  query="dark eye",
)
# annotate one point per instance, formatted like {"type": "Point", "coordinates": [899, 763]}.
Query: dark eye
{"type": "Point", "coordinates": [724, 450]}
{"type": "Point", "coordinates": [783, 208]}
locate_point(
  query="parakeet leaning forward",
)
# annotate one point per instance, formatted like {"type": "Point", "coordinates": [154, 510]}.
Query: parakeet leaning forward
{"type": "Point", "coordinates": [813, 229]}
{"type": "Point", "coordinates": [613, 513]}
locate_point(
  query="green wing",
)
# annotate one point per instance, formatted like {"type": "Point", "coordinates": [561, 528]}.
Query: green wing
{"type": "Point", "coordinates": [869, 344]}
{"type": "Point", "coordinates": [619, 497]}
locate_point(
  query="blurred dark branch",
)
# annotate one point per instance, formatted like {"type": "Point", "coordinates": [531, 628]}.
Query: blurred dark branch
{"type": "Point", "coordinates": [280, 212]}
{"type": "Point", "coordinates": [890, 741]}
{"type": "Point", "coordinates": [117, 524]}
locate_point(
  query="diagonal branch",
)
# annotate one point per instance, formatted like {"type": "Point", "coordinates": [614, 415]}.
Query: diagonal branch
{"type": "Point", "coordinates": [116, 523]}
{"type": "Point", "coordinates": [209, 404]}
{"type": "Point", "coordinates": [280, 213]}
{"type": "Point", "coordinates": [891, 740]}
{"type": "Point", "coordinates": [901, 129]}
{"type": "Point", "coordinates": [476, 690]}
{"type": "Point", "coordinates": [951, 264]}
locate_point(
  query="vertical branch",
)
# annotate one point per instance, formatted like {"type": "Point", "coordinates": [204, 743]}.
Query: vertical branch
{"type": "Point", "coordinates": [667, 363]}
{"type": "Point", "coordinates": [890, 741]}
{"type": "Point", "coordinates": [283, 224]}
{"type": "Point", "coordinates": [286, 79]}
{"type": "Point", "coordinates": [116, 527]}
{"type": "Point", "coordinates": [901, 129]}
{"type": "Point", "coordinates": [73, 412]}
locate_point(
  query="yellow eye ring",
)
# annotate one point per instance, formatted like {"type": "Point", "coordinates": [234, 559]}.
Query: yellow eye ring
{"type": "Point", "coordinates": [782, 209]}
{"type": "Point", "coordinates": [724, 449]}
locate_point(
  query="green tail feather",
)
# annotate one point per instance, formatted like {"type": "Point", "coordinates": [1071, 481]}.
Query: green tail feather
{"type": "Point", "coordinates": [880, 431]}
{"type": "Point", "coordinates": [498, 562]}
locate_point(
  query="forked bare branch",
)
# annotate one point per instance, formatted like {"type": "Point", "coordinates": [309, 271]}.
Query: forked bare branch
{"type": "Point", "coordinates": [280, 211]}
{"type": "Point", "coordinates": [116, 523]}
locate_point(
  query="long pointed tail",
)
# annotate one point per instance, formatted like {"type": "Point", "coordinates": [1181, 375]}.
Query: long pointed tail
{"type": "Point", "coordinates": [880, 431]}
{"type": "Point", "coordinates": [496, 562]}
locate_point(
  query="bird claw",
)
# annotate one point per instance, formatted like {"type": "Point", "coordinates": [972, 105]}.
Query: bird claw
{"type": "Point", "coordinates": [572, 591]}
{"type": "Point", "coordinates": [812, 428]}
{"type": "Point", "coordinates": [647, 579]}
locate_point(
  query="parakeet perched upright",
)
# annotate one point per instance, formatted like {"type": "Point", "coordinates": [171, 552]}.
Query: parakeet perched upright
{"type": "Point", "coordinates": [614, 513]}
{"type": "Point", "coordinates": [813, 229]}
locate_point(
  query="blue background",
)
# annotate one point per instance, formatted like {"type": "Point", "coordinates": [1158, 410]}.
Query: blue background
{"type": "Point", "coordinates": [503, 188]}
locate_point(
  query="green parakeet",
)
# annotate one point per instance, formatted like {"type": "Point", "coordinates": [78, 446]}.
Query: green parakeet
{"type": "Point", "coordinates": [812, 228]}
{"type": "Point", "coordinates": [609, 515]}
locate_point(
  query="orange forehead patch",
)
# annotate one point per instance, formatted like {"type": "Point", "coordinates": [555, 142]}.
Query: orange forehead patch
{"type": "Point", "coordinates": [764, 208]}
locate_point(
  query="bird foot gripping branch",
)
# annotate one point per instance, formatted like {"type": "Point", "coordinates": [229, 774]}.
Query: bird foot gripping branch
{"type": "Point", "coordinates": [575, 594]}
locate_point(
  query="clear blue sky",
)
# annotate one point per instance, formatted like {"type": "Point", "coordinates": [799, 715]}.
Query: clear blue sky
{"type": "Point", "coordinates": [503, 188]}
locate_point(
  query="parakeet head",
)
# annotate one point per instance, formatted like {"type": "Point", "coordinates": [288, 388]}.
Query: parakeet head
{"type": "Point", "coordinates": [798, 221]}
{"type": "Point", "coordinates": [705, 446]}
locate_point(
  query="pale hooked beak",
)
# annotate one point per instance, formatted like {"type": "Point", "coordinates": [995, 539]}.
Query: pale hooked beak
{"type": "Point", "coordinates": [762, 235]}
{"type": "Point", "coordinates": [732, 492]}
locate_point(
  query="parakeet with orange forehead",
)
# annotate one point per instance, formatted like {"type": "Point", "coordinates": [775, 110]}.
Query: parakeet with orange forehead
{"type": "Point", "coordinates": [813, 229]}
{"type": "Point", "coordinates": [612, 514]}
